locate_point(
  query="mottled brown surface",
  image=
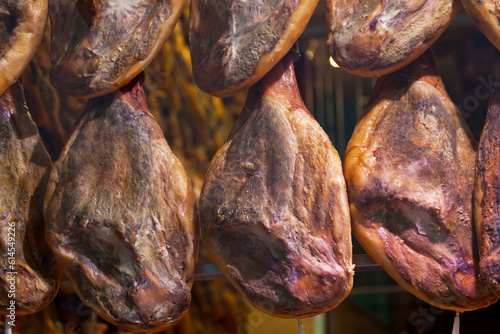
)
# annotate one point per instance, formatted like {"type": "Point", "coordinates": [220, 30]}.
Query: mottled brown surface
{"type": "Point", "coordinates": [486, 16]}
{"type": "Point", "coordinates": [487, 195]}
{"type": "Point", "coordinates": [409, 168]}
{"type": "Point", "coordinates": [22, 23]}
{"type": "Point", "coordinates": [274, 211]}
{"type": "Point", "coordinates": [24, 173]}
{"type": "Point", "coordinates": [99, 46]}
{"type": "Point", "coordinates": [235, 43]}
{"type": "Point", "coordinates": [374, 38]}
{"type": "Point", "coordinates": [119, 211]}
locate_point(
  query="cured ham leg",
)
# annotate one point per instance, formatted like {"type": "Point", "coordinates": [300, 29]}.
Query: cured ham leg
{"type": "Point", "coordinates": [119, 211]}
{"type": "Point", "coordinates": [22, 23]}
{"type": "Point", "coordinates": [374, 38]}
{"type": "Point", "coordinates": [100, 45]}
{"type": "Point", "coordinates": [486, 16]}
{"type": "Point", "coordinates": [29, 276]}
{"type": "Point", "coordinates": [234, 43]}
{"type": "Point", "coordinates": [409, 168]}
{"type": "Point", "coordinates": [274, 210]}
{"type": "Point", "coordinates": [486, 191]}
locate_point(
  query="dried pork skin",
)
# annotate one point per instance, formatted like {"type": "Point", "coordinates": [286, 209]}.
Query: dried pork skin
{"type": "Point", "coordinates": [409, 168]}
{"type": "Point", "coordinates": [486, 193]}
{"type": "Point", "coordinates": [486, 16]}
{"type": "Point", "coordinates": [234, 43]}
{"type": "Point", "coordinates": [24, 173]}
{"type": "Point", "coordinates": [273, 207]}
{"type": "Point", "coordinates": [374, 38]}
{"type": "Point", "coordinates": [120, 215]}
{"type": "Point", "coordinates": [99, 46]}
{"type": "Point", "coordinates": [22, 23]}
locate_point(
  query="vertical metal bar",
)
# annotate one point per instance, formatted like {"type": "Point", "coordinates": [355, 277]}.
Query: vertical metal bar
{"type": "Point", "coordinates": [339, 111]}
{"type": "Point", "coordinates": [319, 324]}
{"type": "Point", "coordinates": [309, 98]}
{"type": "Point", "coordinates": [319, 86]}
{"type": "Point", "coordinates": [308, 75]}
{"type": "Point", "coordinates": [329, 103]}
{"type": "Point", "coordinates": [358, 95]}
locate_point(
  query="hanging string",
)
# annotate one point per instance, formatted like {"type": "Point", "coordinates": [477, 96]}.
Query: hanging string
{"type": "Point", "coordinates": [456, 324]}
{"type": "Point", "coordinates": [301, 327]}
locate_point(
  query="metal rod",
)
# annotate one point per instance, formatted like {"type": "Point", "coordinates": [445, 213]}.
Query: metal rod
{"type": "Point", "coordinates": [8, 329]}
{"type": "Point", "coordinates": [339, 111]}
{"type": "Point", "coordinates": [209, 271]}
{"type": "Point", "coordinates": [359, 95]}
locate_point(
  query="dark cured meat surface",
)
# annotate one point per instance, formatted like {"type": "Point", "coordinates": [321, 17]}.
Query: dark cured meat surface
{"type": "Point", "coordinates": [409, 168]}
{"type": "Point", "coordinates": [274, 211]}
{"type": "Point", "coordinates": [120, 215]}
{"type": "Point", "coordinates": [22, 23]}
{"type": "Point", "coordinates": [486, 16]}
{"type": "Point", "coordinates": [100, 45]}
{"type": "Point", "coordinates": [487, 195]}
{"type": "Point", "coordinates": [374, 38]}
{"type": "Point", "coordinates": [235, 43]}
{"type": "Point", "coordinates": [24, 173]}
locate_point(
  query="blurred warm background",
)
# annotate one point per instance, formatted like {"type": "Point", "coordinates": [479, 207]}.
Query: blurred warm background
{"type": "Point", "coordinates": [196, 125]}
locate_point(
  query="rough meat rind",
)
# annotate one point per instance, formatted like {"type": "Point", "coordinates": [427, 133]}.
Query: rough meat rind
{"type": "Point", "coordinates": [235, 43]}
{"type": "Point", "coordinates": [486, 195]}
{"type": "Point", "coordinates": [409, 168]}
{"type": "Point", "coordinates": [22, 23]}
{"type": "Point", "coordinates": [24, 173]}
{"type": "Point", "coordinates": [99, 46]}
{"type": "Point", "coordinates": [120, 215]}
{"type": "Point", "coordinates": [486, 16]}
{"type": "Point", "coordinates": [374, 38]}
{"type": "Point", "coordinates": [274, 211]}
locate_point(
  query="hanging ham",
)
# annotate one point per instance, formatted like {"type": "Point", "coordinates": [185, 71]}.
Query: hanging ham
{"type": "Point", "coordinates": [486, 192]}
{"type": "Point", "coordinates": [28, 274]}
{"type": "Point", "coordinates": [409, 168]}
{"type": "Point", "coordinates": [374, 38]}
{"type": "Point", "coordinates": [274, 210]}
{"type": "Point", "coordinates": [22, 23]}
{"type": "Point", "coordinates": [120, 215]}
{"type": "Point", "coordinates": [235, 43]}
{"type": "Point", "coordinates": [486, 16]}
{"type": "Point", "coordinates": [100, 45]}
